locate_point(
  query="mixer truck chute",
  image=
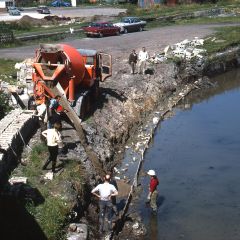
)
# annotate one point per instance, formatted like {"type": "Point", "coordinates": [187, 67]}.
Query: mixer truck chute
{"type": "Point", "coordinates": [78, 71]}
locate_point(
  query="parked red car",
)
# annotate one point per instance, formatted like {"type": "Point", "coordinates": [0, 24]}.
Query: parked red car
{"type": "Point", "coordinates": [100, 29]}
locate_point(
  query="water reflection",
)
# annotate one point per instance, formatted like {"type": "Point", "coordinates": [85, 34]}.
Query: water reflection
{"type": "Point", "coordinates": [153, 226]}
{"type": "Point", "coordinates": [196, 157]}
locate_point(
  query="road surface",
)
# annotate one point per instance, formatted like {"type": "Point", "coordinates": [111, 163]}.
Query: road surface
{"type": "Point", "coordinates": [155, 40]}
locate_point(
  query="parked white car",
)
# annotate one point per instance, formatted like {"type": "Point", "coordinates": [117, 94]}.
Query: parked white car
{"type": "Point", "coordinates": [14, 11]}
{"type": "Point", "coordinates": [131, 24]}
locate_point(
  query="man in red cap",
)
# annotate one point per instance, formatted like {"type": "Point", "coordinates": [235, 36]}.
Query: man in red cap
{"type": "Point", "coordinates": [152, 196]}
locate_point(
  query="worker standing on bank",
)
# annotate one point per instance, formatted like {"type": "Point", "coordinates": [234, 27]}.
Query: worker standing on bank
{"type": "Point", "coordinates": [105, 192]}
{"type": "Point", "coordinates": [53, 111]}
{"type": "Point", "coordinates": [54, 140]}
{"type": "Point", "coordinates": [152, 196]}
{"type": "Point", "coordinates": [132, 60]}
{"type": "Point", "coordinates": [142, 57]}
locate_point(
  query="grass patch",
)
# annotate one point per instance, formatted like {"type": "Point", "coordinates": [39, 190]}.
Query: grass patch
{"type": "Point", "coordinates": [209, 20]}
{"type": "Point", "coordinates": [7, 71]}
{"type": "Point", "coordinates": [49, 39]}
{"type": "Point", "coordinates": [58, 194]}
{"type": "Point", "coordinates": [206, 20]}
{"type": "Point", "coordinates": [51, 216]}
{"type": "Point", "coordinates": [163, 10]}
{"type": "Point", "coordinates": [4, 105]}
{"type": "Point", "coordinates": [150, 14]}
{"type": "Point", "coordinates": [49, 28]}
{"type": "Point", "coordinates": [225, 37]}
{"type": "Point", "coordinates": [7, 74]}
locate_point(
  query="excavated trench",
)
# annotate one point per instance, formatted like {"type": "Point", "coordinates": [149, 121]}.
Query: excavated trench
{"type": "Point", "coordinates": [126, 103]}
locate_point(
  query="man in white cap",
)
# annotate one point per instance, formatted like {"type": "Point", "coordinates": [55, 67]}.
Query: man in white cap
{"type": "Point", "coordinates": [106, 191]}
{"type": "Point", "coordinates": [152, 196]}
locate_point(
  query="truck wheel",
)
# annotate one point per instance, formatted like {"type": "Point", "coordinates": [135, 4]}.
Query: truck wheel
{"type": "Point", "coordinates": [125, 30]}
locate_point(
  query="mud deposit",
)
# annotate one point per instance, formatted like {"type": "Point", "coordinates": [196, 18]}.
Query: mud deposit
{"type": "Point", "coordinates": [196, 155]}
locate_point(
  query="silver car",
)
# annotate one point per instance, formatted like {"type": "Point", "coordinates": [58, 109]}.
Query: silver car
{"type": "Point", "coordinates": [14, 11]}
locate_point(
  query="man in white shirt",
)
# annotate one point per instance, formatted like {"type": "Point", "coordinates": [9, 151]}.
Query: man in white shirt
{"type": "Point", "coordinates": [53, 137]}
{"type": "Point", "coordinates": [142, 57]}
{"type": "Point", "coordinates": [105, 192]}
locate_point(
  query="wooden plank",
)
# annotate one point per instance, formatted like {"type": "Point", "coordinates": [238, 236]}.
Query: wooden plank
{"type": "Point", "coordinates": [57, 90]}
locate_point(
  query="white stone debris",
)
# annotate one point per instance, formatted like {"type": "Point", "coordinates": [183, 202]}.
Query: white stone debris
{"type": "Point", "coordinates": [187, 49]}
{"type": "Point", "coordinates": [48, 176]}
{"type": "Point", "coordinates": [15, 180]}
{"type": "Point", "coordinates": [138, 144]}
{"type": "Point", "coordinates": [107, 237]}
{"type": "Point", "coordinates": [116, 170]}
{"type": "Point", "coordinates": [135, 225]}
{"type": "Point", "coordinates": [155, 120]}
{"type": "Point", "coordinates": [4, 85]}
{"type": "Point", "coordinates": [71, 30]}
{"type": "Point", "coordinates": [77, 231]}
{"type": "Point", "coordinates": [25, 70]}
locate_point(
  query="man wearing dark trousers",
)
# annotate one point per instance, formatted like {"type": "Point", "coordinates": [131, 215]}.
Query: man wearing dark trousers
{"type": "Point", "coordinates": [53, 137]}
{"type": "Point", "coordinates": [105, 192]}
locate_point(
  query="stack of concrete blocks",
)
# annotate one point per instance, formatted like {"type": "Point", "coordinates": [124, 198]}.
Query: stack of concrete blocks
{"type": "Point", "coordinates": [186, 49]}
{"type": "Point", "coordinates": [16, 129]}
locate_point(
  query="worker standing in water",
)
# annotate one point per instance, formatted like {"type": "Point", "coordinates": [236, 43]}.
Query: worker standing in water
{"type": "Point", "coordinates": [152, 195]}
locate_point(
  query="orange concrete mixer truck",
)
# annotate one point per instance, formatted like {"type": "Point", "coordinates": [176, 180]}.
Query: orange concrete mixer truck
{"type": "Point", "coordinates": [60, 69]}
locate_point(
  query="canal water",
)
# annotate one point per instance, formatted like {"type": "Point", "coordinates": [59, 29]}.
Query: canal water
{"type": "Point", "coordinates": [196, 154]}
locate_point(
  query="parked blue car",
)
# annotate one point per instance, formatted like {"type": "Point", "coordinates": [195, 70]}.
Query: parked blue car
{"type": "Point", "coordinates": [60, 3]}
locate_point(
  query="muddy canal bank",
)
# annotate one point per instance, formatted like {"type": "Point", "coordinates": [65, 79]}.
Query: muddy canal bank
{"type": "Point", "coordinates": [128, 100]}
{"type": "Point", "coordinates": [126, 103]}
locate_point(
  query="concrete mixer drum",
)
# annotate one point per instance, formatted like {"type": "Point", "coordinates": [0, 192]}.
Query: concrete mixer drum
{"type": "Point", "coordinates": [78, 71]}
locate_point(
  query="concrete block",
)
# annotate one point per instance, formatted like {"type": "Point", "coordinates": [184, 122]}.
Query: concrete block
{"type": "Point", "coordinates": [80, 233]}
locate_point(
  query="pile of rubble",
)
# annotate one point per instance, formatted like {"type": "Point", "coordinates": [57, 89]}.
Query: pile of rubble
{"type": "Point", "coordinates": [185, 50]}
{"type": "Point", "coordinates": [24, 70]}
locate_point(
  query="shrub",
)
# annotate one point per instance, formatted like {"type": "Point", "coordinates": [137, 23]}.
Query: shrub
{"type": "Point", "coordinates": [4, 105]}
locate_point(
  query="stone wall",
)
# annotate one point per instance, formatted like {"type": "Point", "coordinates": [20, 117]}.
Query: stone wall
{"type": "Point", "coordinates": [222, 62]}
{"type": "Point", "coordinates": [15, 131]}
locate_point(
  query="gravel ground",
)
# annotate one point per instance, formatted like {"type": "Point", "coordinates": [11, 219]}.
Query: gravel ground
{"type": "Point", "coordinates": [120, 46]}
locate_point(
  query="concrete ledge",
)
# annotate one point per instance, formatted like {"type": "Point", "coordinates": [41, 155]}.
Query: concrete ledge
{"type": "Point", "coordinates": [15, 131]}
